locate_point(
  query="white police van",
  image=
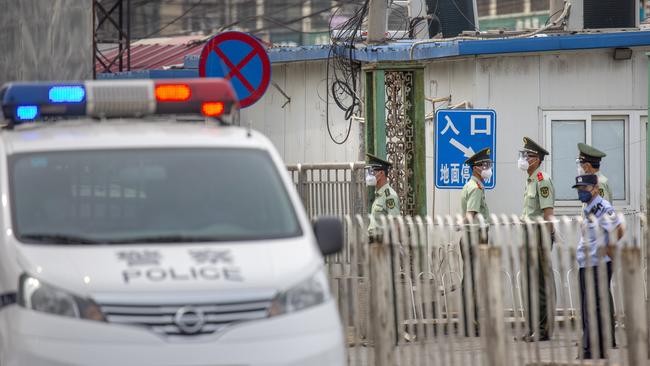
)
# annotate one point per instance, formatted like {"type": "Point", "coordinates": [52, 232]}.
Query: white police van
{"type": "Point", "coordinates": [134, 233]}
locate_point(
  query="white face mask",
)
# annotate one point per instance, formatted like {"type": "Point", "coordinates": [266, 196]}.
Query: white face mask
{"type": "Point", "coordinates": [371, 180]}
{"type": "Point", "coordinates": [486, 174]}
{"type": "Point", "coordinates": [522, 163]}
{"type": "Point", "coordinates": [580, 170]}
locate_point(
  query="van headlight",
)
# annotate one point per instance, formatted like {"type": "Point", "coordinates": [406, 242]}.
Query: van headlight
{"type": "Point", "coordinates": [310, 292]}
{"type": "Point", "coordinates": [39, 296]}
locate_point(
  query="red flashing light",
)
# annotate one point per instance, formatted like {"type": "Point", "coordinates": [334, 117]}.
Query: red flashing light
{"type": "Point", "coordinates": [212, 109]}
{"type": "Point", "coordinates": [173, 92]}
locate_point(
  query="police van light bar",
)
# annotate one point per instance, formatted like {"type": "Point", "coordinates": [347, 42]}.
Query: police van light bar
{"type": "Point", "coordinates": [212, 97]}
{"type": "Point", "coordinates": [67, 94]}
{"type": "Point", "coordinates": [212, 109]}
{"type": "Point", "coordinates": [173, 92]}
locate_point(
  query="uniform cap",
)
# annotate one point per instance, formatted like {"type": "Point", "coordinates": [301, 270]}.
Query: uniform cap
{"type": "Point", "coordinates": [586, 180]}
{"type": "Point", "coordinates": [532, 146]}
{"type": "Point", "coordinates": [375, 162]}
{"type": "Point", "coordinates": [590, 153]}
{"type": "Point", "coordinates": [483, 155]}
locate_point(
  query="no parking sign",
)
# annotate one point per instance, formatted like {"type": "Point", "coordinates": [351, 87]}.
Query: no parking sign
{"type": "Point", "coordinates": [240, 58]}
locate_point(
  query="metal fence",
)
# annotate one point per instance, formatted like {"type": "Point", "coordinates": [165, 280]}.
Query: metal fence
{"type": "Point", "coordinates": [401, 296]}
{"type": "Point", "coordinates": [331, 188]}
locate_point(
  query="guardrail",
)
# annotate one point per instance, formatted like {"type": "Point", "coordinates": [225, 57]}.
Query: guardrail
{"type": "Point", "coordinates": [408, 296]}
{"type": "Point", "coordinates": [331, 188]}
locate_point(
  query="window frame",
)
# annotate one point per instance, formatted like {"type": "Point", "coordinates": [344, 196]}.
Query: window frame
{"type": "Point", "coordinates": [632, 122]}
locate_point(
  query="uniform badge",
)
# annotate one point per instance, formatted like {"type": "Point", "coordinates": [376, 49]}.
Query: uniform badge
{"type": "Point", "coordinates": [544, 191]}
{"type": "Point", "coordinates": [602, 192]}
{"type": "Point", "coordinates": [390, 203]}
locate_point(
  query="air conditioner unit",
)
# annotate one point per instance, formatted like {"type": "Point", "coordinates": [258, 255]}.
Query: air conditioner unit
{"type": "Point", "coordinates": [603, 14]}
{"type": "Point", "coordinates": [454, 16]}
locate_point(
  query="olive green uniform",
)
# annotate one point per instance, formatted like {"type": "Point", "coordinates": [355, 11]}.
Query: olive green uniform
{"type": "Point", "coordinates": [539, 195]}
{"type": "Point", "coordinates": [386, 203]}
{"type": "Point", "coordinates": [603, 186]}
{"type": "Point", "coordinates": [473, 198]}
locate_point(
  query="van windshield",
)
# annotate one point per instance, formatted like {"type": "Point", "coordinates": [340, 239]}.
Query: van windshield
{"type": "Point", "coordinates": [149, 195]}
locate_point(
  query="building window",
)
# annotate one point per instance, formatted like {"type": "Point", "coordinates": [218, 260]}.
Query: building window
{"type": "Point", "coordinates": [539, 5]}
{"type": "Point", "coordinates": [509, 7]}
{"type": "Point", "coordinates": [606, 133]}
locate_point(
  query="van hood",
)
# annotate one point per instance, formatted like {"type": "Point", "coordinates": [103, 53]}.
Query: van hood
{"type": "Point", "coordinates": [155, 269]}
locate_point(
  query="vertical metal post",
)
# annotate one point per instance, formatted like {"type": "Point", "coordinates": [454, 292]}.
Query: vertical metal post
{"type": "Point", "coordinates": [128, 35]}
{"type": "Point", "coordinates": [120, 22]}
{"type": "Point", "coordinates": [379, 112]}
{"type": "Point", "coordinates": [377, 21]}
{"type": "Point", "coordinates": [375, 117]}
{"type": "Point", "coordinates": [94, 39]}
{"type": "Point", "coordinates": [419, 155]}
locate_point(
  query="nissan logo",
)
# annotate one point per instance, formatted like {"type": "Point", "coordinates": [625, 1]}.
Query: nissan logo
{"type": "Point", "coordinates": [189, 319]}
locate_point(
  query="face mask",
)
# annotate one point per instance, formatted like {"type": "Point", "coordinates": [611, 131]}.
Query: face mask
{"type": "Point", "coordinates": [580, 170]}
{"type": "Point", "coordinates": [371, 180]}
{"type": "Point", "coordinates": [584, 196]}
{"type": "Point", "coordinates": [522, 163]}
{"type": "Point", "coordinates": [486, 174]}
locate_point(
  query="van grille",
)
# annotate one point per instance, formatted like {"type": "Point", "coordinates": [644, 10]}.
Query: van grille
{"type": "Point", "coordinates": [186, 320]}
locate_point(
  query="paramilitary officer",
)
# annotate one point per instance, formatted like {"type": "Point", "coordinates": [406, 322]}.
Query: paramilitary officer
{"type": "Point", "coordinates": [386, 201]}
{"type": "Point", "coordinates": [589, 163]}
{"type": "Point", "coordinates": [472, 202]}
{"type": "Point", "coordinates": [539, 201]}
{"type": "Point", "coordinates": [589, 255]}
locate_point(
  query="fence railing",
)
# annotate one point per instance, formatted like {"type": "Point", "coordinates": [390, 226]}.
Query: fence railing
{"type": "Point", "coordinates": [331, 188]}
{"type": "Point", "coordinates": [415, 295]}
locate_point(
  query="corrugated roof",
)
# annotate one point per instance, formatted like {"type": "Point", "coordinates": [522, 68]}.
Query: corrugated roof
{"type": "Point", "coordinates": [147, 58]}
{"type": "Point", "coordinates": [156, 54]}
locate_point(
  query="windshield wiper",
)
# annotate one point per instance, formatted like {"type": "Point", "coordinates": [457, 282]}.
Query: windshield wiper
{"type": "Point", "coordinates": [166, 239]}
{"type": "Point", "coordinates": [60, 239]}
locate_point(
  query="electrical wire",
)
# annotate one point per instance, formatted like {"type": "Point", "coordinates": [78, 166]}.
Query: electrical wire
{"type": "Point", "coordinates": [342, 67]}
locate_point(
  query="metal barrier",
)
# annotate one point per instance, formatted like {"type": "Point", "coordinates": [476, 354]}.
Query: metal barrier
{"type": "Point", "coordinates": [331, 188]}
{"type": "Point", "coordinates": [401, 296]}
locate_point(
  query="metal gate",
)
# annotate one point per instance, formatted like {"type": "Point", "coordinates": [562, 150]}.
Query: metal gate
{"type": "Point", "coordinates": [331, 188]}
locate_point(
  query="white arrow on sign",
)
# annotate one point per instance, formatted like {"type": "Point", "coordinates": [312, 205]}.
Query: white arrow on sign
{"type": "Point", "coordinates": [468, 151]}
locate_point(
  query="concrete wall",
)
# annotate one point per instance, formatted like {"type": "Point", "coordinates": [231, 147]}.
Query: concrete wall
{"type": "Point", "coordinates": [46, 40]}
{"type": "Point", "coordinates": [522, 88]}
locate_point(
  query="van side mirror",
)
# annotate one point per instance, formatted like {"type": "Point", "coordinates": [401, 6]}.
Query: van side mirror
{"type": "Point", "coordinates": [329, 234]}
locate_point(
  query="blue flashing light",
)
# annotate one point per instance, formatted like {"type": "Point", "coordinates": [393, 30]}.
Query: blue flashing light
{"type": "Point", "coordinates": [67, 94]}
{"type": "Point", "coordinates": [26, 112]}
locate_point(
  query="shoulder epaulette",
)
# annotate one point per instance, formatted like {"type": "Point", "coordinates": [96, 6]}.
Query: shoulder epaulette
{"type": "Point", "coordinates": [540, 176]}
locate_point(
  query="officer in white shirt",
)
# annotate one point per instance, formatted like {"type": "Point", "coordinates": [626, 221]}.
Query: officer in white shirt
{"type": "Point", "coordinates": [595, 246]}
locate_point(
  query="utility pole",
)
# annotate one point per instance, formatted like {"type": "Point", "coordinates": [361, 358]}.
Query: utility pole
{"type": "Point", "coordinates": [377, 22]}
{"type": "Point", "coordinates": [112, 25]}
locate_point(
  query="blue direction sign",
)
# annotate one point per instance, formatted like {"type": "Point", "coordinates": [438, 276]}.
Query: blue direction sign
{"type": "Point", "coordinates": [460, 133]}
